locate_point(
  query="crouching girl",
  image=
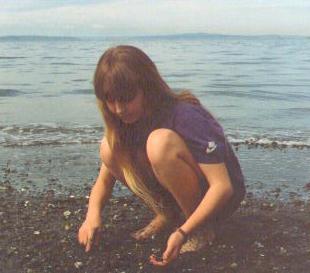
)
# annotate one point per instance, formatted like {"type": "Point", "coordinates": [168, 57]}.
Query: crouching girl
{"type": "Point", "coordinates": [167, 148]}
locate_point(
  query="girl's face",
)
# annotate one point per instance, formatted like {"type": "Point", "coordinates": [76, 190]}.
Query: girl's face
{"type": "Point", "coordinates": [128, 111]}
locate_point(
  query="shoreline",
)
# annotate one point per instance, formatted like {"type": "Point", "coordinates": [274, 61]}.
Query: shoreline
{"type": "Point", "coordinates": [72, 169]}
{"type": "Point", "coordinates": [38, 234]}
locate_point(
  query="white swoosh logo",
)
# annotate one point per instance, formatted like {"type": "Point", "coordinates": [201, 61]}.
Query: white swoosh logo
{"type": "Point", "coordinates": [211, 147]}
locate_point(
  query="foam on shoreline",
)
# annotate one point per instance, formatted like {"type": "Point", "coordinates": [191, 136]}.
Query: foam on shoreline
{"type": "Point", "coordinates": [50, 134]}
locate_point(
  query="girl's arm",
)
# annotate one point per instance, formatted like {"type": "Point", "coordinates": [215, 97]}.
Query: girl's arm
{"type": "Point", "coordinates": [100, 192]}
{"type": "Point", "coordinates": [219, 192]}
{"type": "Point", "coordinates": [90, 230]}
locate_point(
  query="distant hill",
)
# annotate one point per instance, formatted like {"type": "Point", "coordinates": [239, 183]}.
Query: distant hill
{"type": "Point", "coordinates": [198, 35]}
{"type": "Point", "coordinates": [202, 35]}
{"type": "Point", "coordinates": [37, 38]}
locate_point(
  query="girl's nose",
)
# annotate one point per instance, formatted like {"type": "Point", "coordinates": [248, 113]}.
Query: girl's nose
{"type": "Point", "coordinates": [119, 108]}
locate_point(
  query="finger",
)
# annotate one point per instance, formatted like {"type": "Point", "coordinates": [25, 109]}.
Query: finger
{"type": "Point", "coordinates": [89, 242]}
{"type": "Point", "coordinates": [170, 255]}
{"type": "Point", "coordinates": [154, 261]}
{"type": "Point", "coordinates": [167, 253]}
{"type": "Point", "coordinates": [166, 258]}
{"type": "Point", "coordinates": [88, 245]}
{"type": "Point", "coordinates": [159, 263]}
{"type": "Point", "coordinates": [81, 238]}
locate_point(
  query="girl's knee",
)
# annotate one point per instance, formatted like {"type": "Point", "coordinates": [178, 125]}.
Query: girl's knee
{"type": "Point", "coordinates": [162, 145]}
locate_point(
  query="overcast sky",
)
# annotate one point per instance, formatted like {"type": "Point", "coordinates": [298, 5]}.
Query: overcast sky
{"type": "Point", "coordinates": [146, 17]}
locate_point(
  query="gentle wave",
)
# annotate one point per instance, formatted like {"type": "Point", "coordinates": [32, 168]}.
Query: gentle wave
{"type": "Point", "coordinates": [269, 143]}
{"type": "Point", "coordinates": [257, 94]}
{"type": "Point", "coordinates": [80, 80]}
{"type": "Point", "coordinates": [49, 57]}
{"type": "Point", "coordinates": [15, 84]}
{"type": "Point", "coordinates": [221, 85]}
{"type": "Point", "coordinates": [81, 92]}
{"type": "Point", "coordinates": [36, 38]}
{"type": "Point", "coordinates": [10, 92]}
{"type": "Point", "coordinates": [62, 73]}
{"type": "Point", "coordinates": [11, 58]}
{"type": "Point", "coordinates": [53, 134]}
{"type": "Point", "coordinates": [180, 75]}
{"type": "Point", "coordinates": [303, 110]}
{"type": "Point", "coordinates": [32, 135]}
{"type": "Point", "coordinates": [254, 95]}
{"type": "Point", "coordinates": [248, 63]}
{"type": "Point", "coordinates": [64, 63]}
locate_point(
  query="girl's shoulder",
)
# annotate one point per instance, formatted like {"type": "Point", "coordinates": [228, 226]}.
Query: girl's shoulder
{"type": "Point", "coordinates": [185, 108]}
{"type": "Point", "coordinates": [184, 112]}
{"type": "Point", "coordinates": [200, 130]}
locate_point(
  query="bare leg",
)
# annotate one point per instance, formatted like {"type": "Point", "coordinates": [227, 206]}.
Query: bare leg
{"type": "Point", "coordinates": [167, 217]}
{"type": "Point", "coordinates": [177, 171]}
{"type": "Point", "coordinates": [160, 221]}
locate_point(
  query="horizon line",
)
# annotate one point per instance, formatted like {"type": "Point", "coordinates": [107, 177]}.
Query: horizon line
{"type": "Point", "coordinates": [152, 35]}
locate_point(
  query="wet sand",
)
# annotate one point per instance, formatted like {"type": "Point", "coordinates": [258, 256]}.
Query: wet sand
{"type": "Point", "coordinates": [39, 234]}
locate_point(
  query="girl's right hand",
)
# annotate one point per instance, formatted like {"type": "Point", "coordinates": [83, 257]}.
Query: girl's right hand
{"type": "Point", "coordinates": [89, 232]}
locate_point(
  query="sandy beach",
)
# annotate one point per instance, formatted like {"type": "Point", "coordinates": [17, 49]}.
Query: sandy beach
{"type": "Point", "coordinates": [38, 234]}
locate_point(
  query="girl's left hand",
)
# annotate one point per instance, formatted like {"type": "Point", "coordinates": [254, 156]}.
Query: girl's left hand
{"type": "Point", "coordinates": [172, 251]}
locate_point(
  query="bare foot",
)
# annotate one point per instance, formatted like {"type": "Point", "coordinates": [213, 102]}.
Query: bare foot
{"type": "Point", "coordinates": [153, 228]}
{"type": "Point", "coordinates": [199, 239]}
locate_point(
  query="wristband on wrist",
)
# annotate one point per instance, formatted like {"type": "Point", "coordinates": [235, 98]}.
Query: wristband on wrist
{"type": "Point", "coordinates": [180, 230]}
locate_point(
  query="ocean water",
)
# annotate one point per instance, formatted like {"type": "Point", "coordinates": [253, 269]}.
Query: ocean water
{"type": "Point", "coordinates": [257, 87]}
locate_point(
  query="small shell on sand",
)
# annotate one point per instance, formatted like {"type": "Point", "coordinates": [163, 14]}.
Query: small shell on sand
{"type": "Point", "coordinates": [67, 213]}
{"type": "Point", "coordinates": [233, 265]}
{"type": "Point", "coordinates": [78, 264]}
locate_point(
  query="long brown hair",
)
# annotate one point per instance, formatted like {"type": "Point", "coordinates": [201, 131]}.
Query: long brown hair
{"type": "Point", "coordinates": [120, 73]}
